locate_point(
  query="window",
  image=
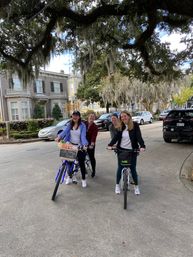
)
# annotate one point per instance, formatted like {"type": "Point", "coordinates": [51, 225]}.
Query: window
{"type": "Point", "coordinates": [14, 111]}
{"type": "Point", "coordinates": [56, 87]}
{"type": "Point", "coordinates": [17, 85]}
{"type": "Point", "coordinates": [39, 87]}
{"type": "Point", "coordinates": [24, 110]}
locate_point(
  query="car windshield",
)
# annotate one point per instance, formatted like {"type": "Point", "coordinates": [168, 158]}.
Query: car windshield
{"type": "Point", "coordinates": [137, 114]}
{"type": "Point", "coordinates": [104, 116]}
{"type": "Point", "coordinates": [62, 123]}
{"type": "Point", "coordinates": [165, 111]}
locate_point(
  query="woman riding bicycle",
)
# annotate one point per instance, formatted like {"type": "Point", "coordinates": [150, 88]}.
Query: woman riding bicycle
{"type": "Point", "coordinates": [128, 138]}
{"type": "Point", "coordinates": [75, 133]}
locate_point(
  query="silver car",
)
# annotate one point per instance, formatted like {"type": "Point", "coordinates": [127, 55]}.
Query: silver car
{"type": "Point", "coordinates": [163, 114]}
{"type": "Point", "coordinates": [51, 132]}
{"type": "Point", "coordinates": [142, 117]}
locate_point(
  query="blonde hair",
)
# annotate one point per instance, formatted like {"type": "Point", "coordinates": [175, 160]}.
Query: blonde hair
{"type": "Point", "coordinates": [130, 122]}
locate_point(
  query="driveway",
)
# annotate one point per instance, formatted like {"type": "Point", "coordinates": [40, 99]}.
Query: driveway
{"type": "Point", "coordinates": [91, 222]}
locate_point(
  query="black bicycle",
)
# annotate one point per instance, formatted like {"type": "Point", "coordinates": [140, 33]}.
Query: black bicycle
{"type": "Point", "coordinates": [124, 159]}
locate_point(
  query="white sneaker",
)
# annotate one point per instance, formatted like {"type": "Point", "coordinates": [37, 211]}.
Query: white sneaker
{"type": "Point", "coordinates": [74, 179]}
{"type": "Point", "coordinates": [136, 190]}
{"type": "Point", "coordinates": [117, 189]}
{"type": "Point", "coordinates": [84, 184]}
{"type": "Point", "coordinates": [68, 180]}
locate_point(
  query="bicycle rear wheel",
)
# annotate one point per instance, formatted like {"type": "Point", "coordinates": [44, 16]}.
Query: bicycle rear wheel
{"type": "Point", "coordinates": [58, 181]}
{"type": "Point", "coordinates": [125, 187]}
{"type": "Point", "coordinates": [88, 165]}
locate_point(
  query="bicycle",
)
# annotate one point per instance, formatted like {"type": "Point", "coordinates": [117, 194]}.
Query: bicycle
{"type": "Point", "coordinates": [68, 154]}
{"type": "Point", "coordinates": [88, 165]}
{"type": "Point", "coordinates": [124, 159]}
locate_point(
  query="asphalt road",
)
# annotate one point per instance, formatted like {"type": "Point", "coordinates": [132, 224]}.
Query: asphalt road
{"type": "Point", "coordinates": [91, 222]}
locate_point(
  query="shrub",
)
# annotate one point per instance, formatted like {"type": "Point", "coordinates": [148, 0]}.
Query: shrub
{"type": "Point", "coordinates": [2, 131]}
{"type": "Point", "coordinates": [32, 125]}
{"type": "Point", "coordinates": [38, 111]}
{"type": "Point", "coordinates": [56, 112]}
{"type": "Point", "coordinates": [24, 135]}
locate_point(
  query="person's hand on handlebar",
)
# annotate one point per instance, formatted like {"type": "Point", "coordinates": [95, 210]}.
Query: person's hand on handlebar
{"type": "Point", "coordinates": [84, 147]}
{"type": "Point", "coordinates": [57, 139]}
{"type": "Point", "coordinates": [111, 147]}
{"type": "Point", "coordinates": [141, 149]}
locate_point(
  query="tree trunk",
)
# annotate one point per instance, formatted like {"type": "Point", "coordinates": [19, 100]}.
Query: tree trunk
{"type": "Point", "coordinates": [107, 107]}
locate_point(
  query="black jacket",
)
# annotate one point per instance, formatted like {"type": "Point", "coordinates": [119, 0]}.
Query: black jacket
{"type": "Point", "coordinates": [135, 137]}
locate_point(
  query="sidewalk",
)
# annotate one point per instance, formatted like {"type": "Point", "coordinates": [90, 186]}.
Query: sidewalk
{"type": "Point", "coordinates": [186, 172]}
{"type": "Point", "coordinates": [19, 141]}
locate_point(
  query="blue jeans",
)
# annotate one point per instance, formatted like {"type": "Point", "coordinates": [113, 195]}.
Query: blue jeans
{"type": "Point", "coordinates": [132, 167]}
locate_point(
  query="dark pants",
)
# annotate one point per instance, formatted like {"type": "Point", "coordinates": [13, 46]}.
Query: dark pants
{"type": "Point", "coordinates": [81, 160]}
{"type": "Point", "coordinates": [91, 154]}
{"type": "Point", "coordinates": [132, 167]}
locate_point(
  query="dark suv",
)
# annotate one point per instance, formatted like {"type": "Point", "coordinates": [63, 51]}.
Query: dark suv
{"type": "Point", "coordinates": [178, 124]}
{"type": "Point", "coordinates": [104, 121]}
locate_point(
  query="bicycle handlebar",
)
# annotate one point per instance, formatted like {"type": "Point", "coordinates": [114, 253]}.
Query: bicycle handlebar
{"type": "Point", "coordinates": [114, 148]}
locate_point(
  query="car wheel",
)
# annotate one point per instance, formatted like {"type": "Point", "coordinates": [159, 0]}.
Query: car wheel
{"type": "Point", "coordinates": [141, 121]}
{"type": "Point", "coordinates": [167, 139]}
{"type": "Point", "coordinates": [151, 120]}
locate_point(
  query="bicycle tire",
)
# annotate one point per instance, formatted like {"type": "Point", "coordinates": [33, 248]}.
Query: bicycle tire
{"type": "Point", "coordinates": [125, 187]}
{"type": "Point", "coordinates": [58, 182]}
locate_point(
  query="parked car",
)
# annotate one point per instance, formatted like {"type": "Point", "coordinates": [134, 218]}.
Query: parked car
{"type": "Point", "coordinates": [178, 124]}
{"type": "Point", "coordinates": [163, 114]}
{"type": "Point", "coordinates": [142, 117]}
{"type": "Point", "coordinates": [104, 121]}
{"type": "Point", "coordinates": [51, 132]}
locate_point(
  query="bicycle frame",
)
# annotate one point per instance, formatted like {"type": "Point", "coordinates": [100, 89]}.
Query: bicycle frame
{"type": "Point", "coordinates": [70, 167]}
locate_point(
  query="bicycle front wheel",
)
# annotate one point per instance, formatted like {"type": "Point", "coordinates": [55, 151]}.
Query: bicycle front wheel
{"type": "Point", "coordinates": [125, 187]}
{"type": "Point", "coordinates": [58, 181]}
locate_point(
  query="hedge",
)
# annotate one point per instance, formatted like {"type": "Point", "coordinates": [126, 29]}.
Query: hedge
{"type": "Point", "coordinates": [28, 124]}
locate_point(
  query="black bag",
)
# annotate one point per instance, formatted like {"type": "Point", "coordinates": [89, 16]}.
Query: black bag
{"type": "Point", "coordinates": [124, 157]}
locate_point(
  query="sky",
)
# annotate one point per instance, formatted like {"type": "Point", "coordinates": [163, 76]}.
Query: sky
{"type": "Point", "coordinates": [61, 62]}
{"type": "Point", "coordinates": [64, 62]}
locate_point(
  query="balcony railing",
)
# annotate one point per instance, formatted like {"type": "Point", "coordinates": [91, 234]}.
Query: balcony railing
{"type": "Point", "coordinates": [18, 92]}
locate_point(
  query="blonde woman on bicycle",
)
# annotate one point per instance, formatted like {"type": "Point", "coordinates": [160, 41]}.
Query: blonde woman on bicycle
{"type": "Point", "coordinates": [128, 138]}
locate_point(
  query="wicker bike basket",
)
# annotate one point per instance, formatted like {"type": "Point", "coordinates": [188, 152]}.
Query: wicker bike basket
{"type": "Point", "coordinates": [68, 152]}
{"type": "Point", "coordinates": [124, 157]}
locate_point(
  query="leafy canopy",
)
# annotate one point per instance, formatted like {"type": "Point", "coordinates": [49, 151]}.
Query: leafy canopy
{"type": "Point", "coordinates": [32, 31]}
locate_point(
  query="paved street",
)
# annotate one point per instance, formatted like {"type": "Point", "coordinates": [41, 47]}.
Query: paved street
{"type": "Point", "coordinates": [91, 222]}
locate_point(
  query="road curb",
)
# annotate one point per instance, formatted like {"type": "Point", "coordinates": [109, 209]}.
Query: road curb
{"type": "Point", "coordinates": [186, 172]}
{"type": "Point", "coordinates": [20, 141]}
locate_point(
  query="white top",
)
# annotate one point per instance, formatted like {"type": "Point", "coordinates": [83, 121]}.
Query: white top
{"type": "Point", "coordinates": [75, 136]}
{"type": "Point", "coordinates": [125, 141]}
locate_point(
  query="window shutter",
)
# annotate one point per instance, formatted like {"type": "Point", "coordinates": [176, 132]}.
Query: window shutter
{"type": "Point", "coordinates": [10, 83]}
{"type": "Point", "coordinates": [52, 86]}
{"type": "Point", "coordinates": [35, 89]}
{"type": "Point", "coordinates": [61, 87]}
{"type": "Point", "coordinates": [43, 86]}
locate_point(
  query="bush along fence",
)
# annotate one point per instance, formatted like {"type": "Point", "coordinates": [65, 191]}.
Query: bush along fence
{"type": "Point", "coordinates": [23, 129]}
